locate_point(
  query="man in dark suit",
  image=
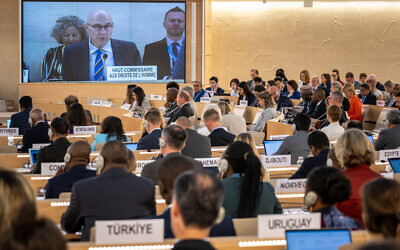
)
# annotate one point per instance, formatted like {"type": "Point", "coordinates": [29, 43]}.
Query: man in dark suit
{"type": "Point", "coordinates": [280, 99]}
{"type": "Point", "coordinates": [196, 207]}
{"type": "Point", "coordinates": [390, 138]}
{"type": "Point", "coordinates": [183, 101]}
{"type": "Point", "coordinates": [197, 145]}
{"type": "Point", "coordinates": [366, 96]}
{"type": "Point", "coordinates": [164, 53]}
{"type": "Point", "coordinates": [169, 172]}
{"type": "Point", "coordinates": [115, 194]}
{"type": "Point", "coordinates": [172, 142]}
{"type": "Point", "coordinates": [152, 123]}
{"type": "Point", "coordinates": [88, 60]}
{"type": "Point", "coordinates": [20, 120]}
{"type": "Point", "coordinates": [75, 169]}
{"type": "Point", "coordinates": [306, 94]}
{"type": "Point", "coordinates": [68, 101]}
{"type": "Point", "coordinates": [318, 106]}
{"type": "Point", "coordinates": [39, 133]}
{"type": "Point", "coordinates": [218, 135]}
{"type": "Point", "coordinates": [54, 152]}
{"type": "Point", "coordinates": [254, 75]}
{"type": "Point", "coordinates": [319, 145]}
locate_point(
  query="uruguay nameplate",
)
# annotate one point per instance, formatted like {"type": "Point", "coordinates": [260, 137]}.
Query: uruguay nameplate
{"type": "Point", "coordinates": [243, 103]}
{"type": "Point", "coordinates": [141, 164]}
{"type": "Point", "coordinates": [205, 99]}
{"type": "Point", "coordinates": [131, 73]}
{"type": "Point", "coordinates": [274, 226]}
{"type": "Point", "coordinates": [290, 186]}
{"type": "Point", "coordinates": [9, 131]}
{"type": "Point", "coordinates": [277, 137]}
{"type": "Point", "coordinates": [276, 160]}
{"type": "Point", "coordinates": [129, 231]}
{"type": "Point", "coordinates": [51, 168]}
{"type": "Point", "coordinates": [156, 97]}
{"type": "Point", "coordinates": [390, 153]}
{"type": "Point", "coordinates": [209, 162]}
{"type": "Point", "coordinates": [84, 130]}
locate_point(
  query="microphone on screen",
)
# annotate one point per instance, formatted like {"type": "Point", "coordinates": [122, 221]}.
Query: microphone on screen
{"type": "Point", "coordinates": [105, 56]}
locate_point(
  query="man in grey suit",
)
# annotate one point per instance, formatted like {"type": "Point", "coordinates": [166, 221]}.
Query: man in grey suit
{"type": "Point", "coordinates": [296, 145]}
{"type": "Point", "coordinates": [197, 145]}
{"type": "Point", "coordinates": [115, 194]}
{"type": "Point", "coordinates": [390, 138]}
{"type": "Point", "coordinates": [172, 142]}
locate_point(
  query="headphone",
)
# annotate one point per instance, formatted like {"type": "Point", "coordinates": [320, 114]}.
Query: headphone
{"type": "Point", "coordinates": [310, 199]}
{"type": "Point", "coordinates": [161, 142]}
{"type": "Point", "coordinates": [50, 133]}
{"type": "Point", "coordinates": [67, 158]}
{"type": "Point", "coordinates": [223, 165]}
{"type": "Point", "coordinates": [293, 127]}
{"type": "Point", "coordinates": [99, 164]}
{"type": "Point", "coordinates": [221, 215]}
{"type": "Point", "coordinates": [30, 121]}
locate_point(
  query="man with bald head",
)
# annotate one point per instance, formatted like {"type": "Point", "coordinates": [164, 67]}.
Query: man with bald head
{"type": "Point", "coordinates": [115, 194]}
{"type": "Point", "coordinates": [88, 60]}
{"type": "Point", "coordinates": [38, 133]}
{"type": "Point", "coordinates": [76, 160]}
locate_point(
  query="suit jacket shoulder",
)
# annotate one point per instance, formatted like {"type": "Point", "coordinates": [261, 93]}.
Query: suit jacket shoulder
{"type": "Point", "coordinates": [156, 53]}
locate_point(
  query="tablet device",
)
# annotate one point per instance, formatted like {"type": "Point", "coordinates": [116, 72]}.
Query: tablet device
{"type": "Point", "coordinates": [33, 155]}
{"type": "Point", "coordinates": [272, 146]}
{"type": "Point", "coordinates": [327, 239]}
{"type": "Point", "coordinates": [395, 164]}
{"type": "Point", "coordinates": [131, 146]}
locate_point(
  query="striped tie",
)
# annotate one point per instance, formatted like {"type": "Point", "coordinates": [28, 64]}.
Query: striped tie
{"type": "Point", "coordinates": [98, 67]}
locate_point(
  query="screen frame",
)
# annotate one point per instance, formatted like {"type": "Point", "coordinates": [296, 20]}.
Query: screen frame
{"type": "Point", "coordinates": [131, 143]}
{"type": "Point", "coordinates": [318, 230]}
{"type": "Point", "coordinates": [21, 29]}
{"type": "Point", "coordinates": [265, 150]}
{"type": "Point", "coordinates": [390, 162]}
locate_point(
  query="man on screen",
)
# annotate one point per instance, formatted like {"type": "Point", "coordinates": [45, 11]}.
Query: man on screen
{"type": "Point", "coordinates": [88, 60]}
{"type": "Point", "coordinates": [164, 53]}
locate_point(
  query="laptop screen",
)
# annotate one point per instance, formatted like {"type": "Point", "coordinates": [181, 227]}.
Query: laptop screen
{"type": "Point", "coordinates": [327, 239]}
{"type": "Point", "coordinates": [395, 164]}
{"type": "Point", "coordinates": [8, 123]}
{"type": "Point", "coordinates": [271, 147]}
{"type": "Point", "coordinates": [131, 146]}
{"type": "Point", "coordinates": [33, 155]}
{"type": "Point", "coordinates": [371, 139]}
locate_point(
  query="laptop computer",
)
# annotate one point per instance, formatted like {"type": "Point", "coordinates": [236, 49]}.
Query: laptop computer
{"type": "Point", "coordinates": [395, 164]}
{"type": "Point", "coordinates": [131, 146]}
{"type": "Point", "coordinates": [33, 155]}
{"type": "Point", "coordinates": [371, 138]}
{"type": "Point", "coordinates": [327, 239]}
{"type": "Point", "coordinates": [271, 146]}
{"type": "Point", "coordinates": [8, 123]}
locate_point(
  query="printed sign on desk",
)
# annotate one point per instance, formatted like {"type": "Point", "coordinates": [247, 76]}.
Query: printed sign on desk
{"type": "Point", "coordinates": [277, 137]}
{"type": "Point", "coordinates": [9, 131]}
{"type": "Point", "coordinates": [276, 161]}
{"type": "Point", "coordinates": [274, 226]}
{"type": "Point", "coordinates": [51, 168]}
{"type": "Point", "coordinates": [131, 73]}
{"type": "Point", "coordinates": [380, 103]}
{"type": "Point", "coordinates": [129, 231]}
{"type": "Point", "coordinates": [209, 162]}
{"type": "Point", "coordinates": [390, 153]}
{"type": "Point", "coordinates": [156, 97]}
{"type": "Point", "coordinates": [290, 186]}
{"type": "Point", "coordinates": [205, 99]}
{"type": "Point", "coordinates": [243, 103]}
{"type": "Point", "coordinates": [84, 130]}
{"type": "Point", "coordinates": [141, 164]}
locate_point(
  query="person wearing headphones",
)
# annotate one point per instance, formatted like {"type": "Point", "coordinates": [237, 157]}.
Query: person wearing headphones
{"type": "Point", "coordinates": [54, 152]}
{"type": "Point", "coordinates": [76, 160]}
{"type": "Point", "coordinates": [325, 187]}
{"type": "Point", "coordinates": [152, 124]}
{"type": "Point", "coordinates": [172, 142]}
{"type": "Point", "coordinates": [115, 194]}
{"type": "Point", "coordinates": [196, 207]}
{"type": "Point", "coordinates": [39, 133]}
{"type": "Point", "coordinates": [245, 194]}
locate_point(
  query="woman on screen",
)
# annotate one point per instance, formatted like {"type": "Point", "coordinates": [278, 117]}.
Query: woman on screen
{"type": "Point", "coordinates": [111, 130]}
{"type": "Point", "coordinates": [68, 30]}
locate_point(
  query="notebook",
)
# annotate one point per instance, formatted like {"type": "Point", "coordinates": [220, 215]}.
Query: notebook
{"type": "Point", "coordinates": [131, 146]}
{"type": "Point", "coordinates": [271, 146]}
{"type": "Point", "coordinates": [395, 164]}
{"type": "Point", "coordinates": [326, 239]}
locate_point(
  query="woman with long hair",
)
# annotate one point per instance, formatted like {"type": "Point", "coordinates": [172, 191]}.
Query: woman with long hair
{"type": "Point", "coordinates": [111, 130]}
{"type": "Point", "coordinates": [140, 103]}
{"type": "Point", "coordinates": [246, 94]}
{"type": "Point", "coordinates": [77, 116]}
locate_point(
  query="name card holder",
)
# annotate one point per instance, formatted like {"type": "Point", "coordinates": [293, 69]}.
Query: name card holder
{"type": "Point", "coordinates": [205, 99]}
{"type": "Point", "coordinates": [209, 162]}
{"type": "Point", "coordinates": [276, 161]}
{"type": "Point", "coordinates": [100, 103]}
{"type": "Point", "coordinates": [243, 103]}
{"type": "Point", "coordinates": [9, 131]}
{"type": "Point", "coordinates": [380, 103]}
{"type": "Point", "coordinates": [156, 97]}
{"type": "Point", "coordinates": [277, 137]}
{"type": "Point", "coordinates": [84, 130]}
{"type": "Point", "coordinates": [129, 231]}
{"type": "Point", "coordinates": [50, 168]}
{"type": "Point", "coordinates": [274, 226]}
{"type": "Point", "coordinates": [125, 106]}
{"type": "Point", "coordinates": [384, 155]}
{"type": "Point", "coordinates": [290, 186]}
{"type": "Point", "coordinates": [140, 165]}
{"type": "Point", "coordinates": [39, 145]}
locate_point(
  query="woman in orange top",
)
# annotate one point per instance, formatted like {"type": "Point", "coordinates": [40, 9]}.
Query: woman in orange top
{"type": "Point", "coordinates": [355, 103]}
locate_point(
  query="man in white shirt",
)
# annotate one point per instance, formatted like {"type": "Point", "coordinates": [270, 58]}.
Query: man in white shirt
{"type": "Point", "coordinates": [333, 130]}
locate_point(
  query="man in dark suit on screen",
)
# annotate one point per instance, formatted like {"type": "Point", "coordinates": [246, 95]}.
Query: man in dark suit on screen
{"type": "Point", "coordinates": [88, 60]}
{"type": "Point", "coordinates": [164, 53]}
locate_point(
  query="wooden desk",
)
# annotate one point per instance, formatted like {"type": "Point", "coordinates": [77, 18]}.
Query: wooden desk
{"type": "Point", "coordinates": [14, 160]}
{"type": "Point", "coordinates": [37, 181]}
